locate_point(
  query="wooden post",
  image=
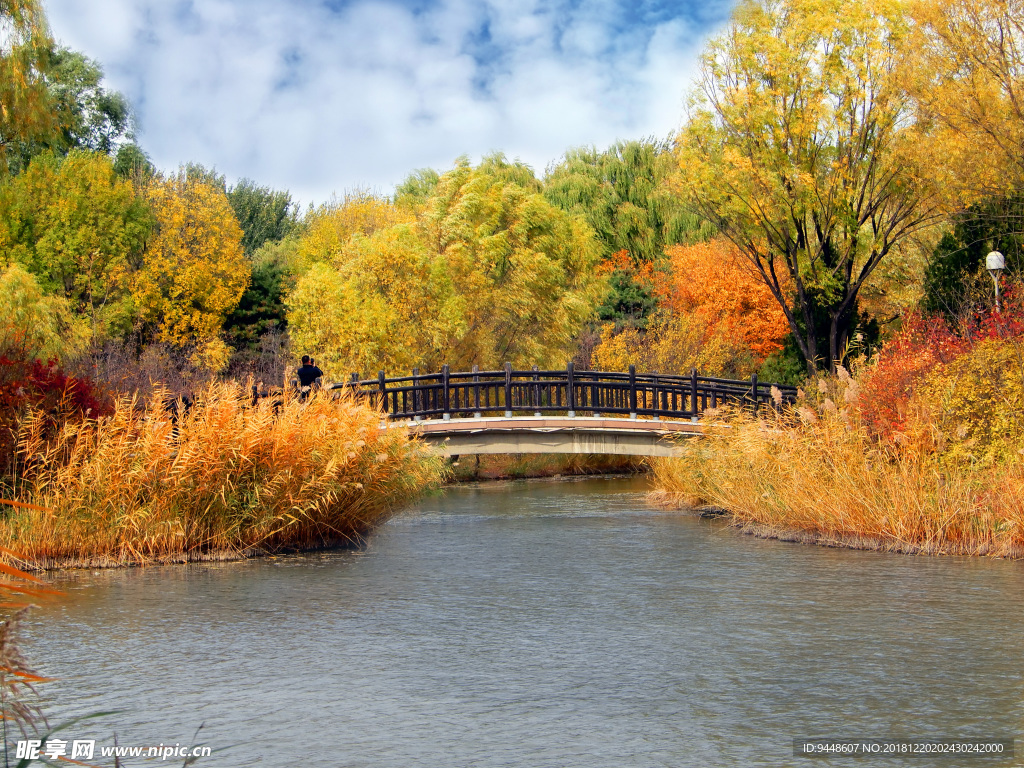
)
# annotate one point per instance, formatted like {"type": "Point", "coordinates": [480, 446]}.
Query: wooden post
{"type": "Point", "coordinates": [476, 393]}
{"type": "Point", "coordinates": [656, 395]}
{"type": "Point", "coordinates": [417, 400]}
{"type": "Point", "coordinates": [570, 389]}
{"type": "Point", "coordinates": [536, 392]}
{"type": "Point", "coordinates": [383, 392]}
{"type": "Point", "coordinates": [445, 394]}
{"type": "Point", "coordinates": [632, 391]}
{"type": "Point", "coordinates": [693, 394]}
{"type": "Point", "coordinates": [753, 389]}
{"type": "Point", "coordinates": [508, 390]}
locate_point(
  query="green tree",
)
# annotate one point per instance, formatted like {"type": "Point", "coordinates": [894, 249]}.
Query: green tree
{"type": "Point", "coordinates": [949, 277]}
{"type": "Point", "coordinates": [417, 188]}
{"type": "Point", "coordinates": [131, 162]}
{"type": "Point", "coordinates": [794, 151]}
{"type": "Point", "coordinates": [623, 194]}
{"type": "Point", "coordinates": [80, 229]}
{"type": "Point", "coordinates": [92, 117]}
{"type": "Point", "coordinates": [87, 115]}
{"type": "Point", "coordinates": [263, 213]}
{"type": "Point", "coordinates": [261, 309]}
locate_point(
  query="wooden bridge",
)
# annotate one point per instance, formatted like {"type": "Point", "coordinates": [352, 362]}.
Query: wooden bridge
{"type": "Point", "coordinates": [565, 411]}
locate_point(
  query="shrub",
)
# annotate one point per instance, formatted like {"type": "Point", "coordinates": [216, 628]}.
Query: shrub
{"type": "Point", "coordinates": [50, 393]}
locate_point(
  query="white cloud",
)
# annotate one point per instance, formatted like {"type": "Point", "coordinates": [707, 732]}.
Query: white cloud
{"type": "Point", "coordinates": [302, 97]}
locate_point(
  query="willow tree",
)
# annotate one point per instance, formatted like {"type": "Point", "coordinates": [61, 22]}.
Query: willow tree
{"type": "Point", "coordinates": [795, 150]}
{"type": "Point", "coordinates": [622, 193]}
{"type": "Point", "coordinates": [485, 271]}
{"type": "Point", "coordinates": [26, 109]}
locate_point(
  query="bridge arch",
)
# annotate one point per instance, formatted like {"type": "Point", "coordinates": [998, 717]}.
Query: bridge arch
{"type": "Point", "coordinates": [557, 411]}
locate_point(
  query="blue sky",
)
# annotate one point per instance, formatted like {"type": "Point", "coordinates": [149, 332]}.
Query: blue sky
{"type": "Point", "coordinates": [320, 96]}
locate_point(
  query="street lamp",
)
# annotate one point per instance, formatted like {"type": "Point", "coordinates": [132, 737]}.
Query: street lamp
{"type": "Point", "coordinates": [995, 264]}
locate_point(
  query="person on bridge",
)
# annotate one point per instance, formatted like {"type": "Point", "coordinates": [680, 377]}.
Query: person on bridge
{"type": "Point", "coordinates": [309, 375]}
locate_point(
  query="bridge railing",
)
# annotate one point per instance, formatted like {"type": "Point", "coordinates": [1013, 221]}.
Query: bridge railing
{"type": "Point", "coordinates": [508, 392]}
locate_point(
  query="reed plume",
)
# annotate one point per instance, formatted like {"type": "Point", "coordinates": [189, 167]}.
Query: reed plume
{"type": "Point", "coordinates": [223, 477]}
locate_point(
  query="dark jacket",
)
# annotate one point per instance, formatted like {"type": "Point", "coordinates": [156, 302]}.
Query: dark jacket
{"type": "Point", "coordinates": [308, 374]}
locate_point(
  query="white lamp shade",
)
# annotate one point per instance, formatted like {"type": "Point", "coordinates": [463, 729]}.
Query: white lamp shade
{"type": "Point", "coordinates": [994, 261]}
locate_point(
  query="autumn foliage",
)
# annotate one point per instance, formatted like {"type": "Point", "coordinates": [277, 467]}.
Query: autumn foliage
{"type": "Point", "coordinates": [712, 314]}
{"type": "Point", "coordinates": [888, 386]}
{"type": "Point", "coordinates": [194, 271]}
{"type": "Point", "coordinates": [713, 282]}
{"type": "Point", "coordinates": [919, 451]}
{"type": "Point", "coordinates": [56, 397]}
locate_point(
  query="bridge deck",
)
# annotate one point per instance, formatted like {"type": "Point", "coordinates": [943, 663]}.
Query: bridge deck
{"type": "Point", "coordinates": [580, 435]}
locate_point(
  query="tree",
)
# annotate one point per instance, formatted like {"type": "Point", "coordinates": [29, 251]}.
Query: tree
{"type": "Point", "coordinates": [623, 195]}
{"type": "Point", "coordinates": [34, 325]}
{"type": "Point", "coordinates": [80, 230]}
{"type": "Point", "coordinates": [417, 188]}
{"type": "Point", "coordinates": [794, 150]}
{"type": "Point", "coordinates": [263, 213]}
{"type": "Point", "coordinates": [714, 282]}
{"type": "Point", "coordinates": [487, 272]}
{"type": "Point", "coordinates": [91, 116]}
{"type": "Point", "coordinates": [85, 114]}
{"type": "Point", "coordinates": [966, 73]}
{"type": "Point", "coordinates": [194, 271]}
{"type": "Point", "coordinates": [132, 163]}
{"type": "Point", "coordinates": [950, 277]}
{"type": "Point", "coordinates": [330, 226]}
{"type": "Point", "coordinates": [262, 310]}
{"type": "Point", "coordinates": [27, 113]}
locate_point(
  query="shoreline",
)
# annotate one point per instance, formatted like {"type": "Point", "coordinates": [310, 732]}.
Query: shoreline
{"type": "Point", "coordinates": [855, 541]}
{"type": "Point", "coordinates": [109, 562]}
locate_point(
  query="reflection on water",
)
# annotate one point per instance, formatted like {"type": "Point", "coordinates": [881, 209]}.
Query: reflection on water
{"type": "Point", "coordinates": [541, 624]}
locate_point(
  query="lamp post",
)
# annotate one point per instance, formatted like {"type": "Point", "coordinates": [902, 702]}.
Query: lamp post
{"type": "Point", "coordinates": [995, 264]}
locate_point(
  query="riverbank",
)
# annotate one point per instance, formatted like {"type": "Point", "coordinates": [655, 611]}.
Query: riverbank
{"type": "Point", "coordinates": [920, 450]}
{"type": "Point", "coordinates": [222, 480]}
{"type": "Point", "coordinates": [827, 482]}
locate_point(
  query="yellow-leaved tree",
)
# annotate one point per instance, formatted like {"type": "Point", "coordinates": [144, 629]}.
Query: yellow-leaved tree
{"type": "Point", "coordinates": [27, 110]}
{"type": "Point", "coordinates": [796, 150]}
{"type": "Point", "coordinates": [80, 229]}
{"type": "Point", "coordinates": [965, 69]}
{"type": "Point", "coordinates": [194, 270]}
{"type": "Point", "coordinates": [329, 227]}
{"type": "Point", "coordinates": [34, 325]}
{"type": "Point", "coordinates": [487, 272]}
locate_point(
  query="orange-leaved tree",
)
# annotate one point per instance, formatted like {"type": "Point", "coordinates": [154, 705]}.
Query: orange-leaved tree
{"type": "Point", "coordinates": [713, 281]}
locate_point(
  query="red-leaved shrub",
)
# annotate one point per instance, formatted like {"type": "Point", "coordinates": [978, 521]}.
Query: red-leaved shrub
{"type": "Point", "coordinates": [887, 387]}
{"type": "Point", "coordinates": [33, 384]}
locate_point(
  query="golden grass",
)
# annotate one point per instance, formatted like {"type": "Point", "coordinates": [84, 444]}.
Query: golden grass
{"type": "Point", "coordinates": [822, 480]}
{"type": "Point", "coordinates": [226, 480]}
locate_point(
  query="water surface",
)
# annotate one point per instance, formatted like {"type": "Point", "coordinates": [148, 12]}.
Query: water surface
{"type": "Point", "coordinates": [542, 624]}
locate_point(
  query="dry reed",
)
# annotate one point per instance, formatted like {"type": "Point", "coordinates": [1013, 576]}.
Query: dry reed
{"type": "Point", "coordinates": [223, 480]}
{"type": "Point", "coordinates": [821, 479]}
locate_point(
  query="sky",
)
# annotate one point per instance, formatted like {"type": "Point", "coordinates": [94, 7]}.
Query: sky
{"type": "Point", "coordinates": [322, 96]}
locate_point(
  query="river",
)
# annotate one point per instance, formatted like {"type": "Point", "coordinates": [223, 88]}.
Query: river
{"type": "Point", "coordinates": [540, 624]}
